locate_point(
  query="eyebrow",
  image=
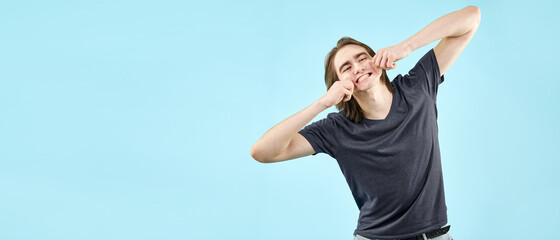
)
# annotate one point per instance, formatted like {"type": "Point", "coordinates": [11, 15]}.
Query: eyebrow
{"type": "Point", "coordinates": [348, 63]}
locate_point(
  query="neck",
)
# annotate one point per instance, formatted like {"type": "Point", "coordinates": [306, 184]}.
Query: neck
{"type": "Point", "coordinates": [375, 102]}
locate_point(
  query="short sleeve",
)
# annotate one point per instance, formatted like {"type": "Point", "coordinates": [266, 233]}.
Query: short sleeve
{"type": "Point", "coordinates": [425, 75]}
{"type": "Point", "coordinates": [322, 135]}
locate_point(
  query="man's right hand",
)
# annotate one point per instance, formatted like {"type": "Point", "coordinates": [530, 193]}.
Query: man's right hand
{"type": "Point", "coordinates": [339, 91]}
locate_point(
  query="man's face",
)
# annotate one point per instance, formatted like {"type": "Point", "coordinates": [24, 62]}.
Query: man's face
{"type": "Point", "coordinates": [352, 62]}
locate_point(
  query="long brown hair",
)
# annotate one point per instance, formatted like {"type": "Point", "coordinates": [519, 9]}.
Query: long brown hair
{"type": "Point", "coordinates": [351, 107]}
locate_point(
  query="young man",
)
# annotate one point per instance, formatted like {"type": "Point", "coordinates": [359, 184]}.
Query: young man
{"type": "Point", "coordinates": [385, 138]}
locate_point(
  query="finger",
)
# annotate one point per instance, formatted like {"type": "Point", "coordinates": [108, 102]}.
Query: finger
{"type": "Point", "coordinates": [349, 87]}
{"type": "Point", "coordinates": [390, 61]}
{"type": "Point", "coordinates": [344, 97]}
{"type": "Point", "coordinates": [378, 59]}
{"type": "Point", "coordinates": [347, 82]}
{"type": "Point", "coordinates": [387, 59]}
{"type": "Point", "coordinates": [370, 61]}
{"type": "Point", "coordinates": [377, 69]}
{"type": "Point", "coordinates": [347, 96]}
{"type": "Point", "coordinates": [383, 59]}
{"type": "Point", "coordinates": [383, 63]}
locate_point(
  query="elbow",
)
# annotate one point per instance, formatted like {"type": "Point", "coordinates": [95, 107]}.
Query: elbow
{"type": "Point", "coordinates": [473, 9]}
{"type": "Point", "coordinates": [476, 15]}
{"type": "Point", "coordinates": [257, 154]}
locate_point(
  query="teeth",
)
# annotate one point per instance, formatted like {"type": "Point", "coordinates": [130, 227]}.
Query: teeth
{"type": "Point", "coordinates": [363, 77]}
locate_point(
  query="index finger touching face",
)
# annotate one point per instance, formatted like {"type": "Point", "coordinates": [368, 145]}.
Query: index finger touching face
{"type": "Point", "coordinates": [373, 59]}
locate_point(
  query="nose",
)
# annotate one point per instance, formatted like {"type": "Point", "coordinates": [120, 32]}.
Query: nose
{"type": "Point", "coordinates": [358, 67]}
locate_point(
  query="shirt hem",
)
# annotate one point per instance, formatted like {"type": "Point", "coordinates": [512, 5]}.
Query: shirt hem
{"type": "Point", "coordinates": [431, 226]}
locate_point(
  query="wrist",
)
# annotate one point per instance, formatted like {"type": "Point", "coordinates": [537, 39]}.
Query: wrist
{"type": "Point", "coordinates": [408, 46]}
{"type": "Point", "coordinates": [321, 104]}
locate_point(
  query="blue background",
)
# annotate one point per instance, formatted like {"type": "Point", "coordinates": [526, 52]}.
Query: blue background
{"type": "Point", "coordinates": [134, 119]}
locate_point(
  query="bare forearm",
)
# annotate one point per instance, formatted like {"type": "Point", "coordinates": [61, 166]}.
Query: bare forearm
{"type": "Point", "coordinates": [453, 24]}
{"type": "Point", "coordinates": [276, 140]}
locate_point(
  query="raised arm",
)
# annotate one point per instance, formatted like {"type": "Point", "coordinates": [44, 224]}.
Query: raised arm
{"type": "Point", "coordinates": [283, 142]}
{"type": "Point", "coordinates": [455, 31]}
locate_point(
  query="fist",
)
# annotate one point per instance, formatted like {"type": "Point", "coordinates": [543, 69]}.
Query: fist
{"type": "Point", "coordinates": [385, 58]}
{"type": "Point", "coordinates": [339, 91]}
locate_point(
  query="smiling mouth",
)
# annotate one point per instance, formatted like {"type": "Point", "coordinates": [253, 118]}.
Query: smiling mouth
{"type": "Point", "coordinates": [361, 78]}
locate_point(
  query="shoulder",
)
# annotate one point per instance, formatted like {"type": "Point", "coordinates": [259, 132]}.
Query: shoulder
{"type": "Point", "coordinates": [429, 60]}
{"type": "Point", "coordinates": [421, 75]}
{"type": "Point", "coordinates": [341, 118]}
{"type": "Point", "coordinates": [332, 120]}
{"type": "Point", "coordinates": [335, 119]}
{"type": "Point", "coordinates": [425, 65]}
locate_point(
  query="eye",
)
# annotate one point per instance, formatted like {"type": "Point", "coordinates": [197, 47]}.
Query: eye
{"type": "Point", "coordinates": [345, 69]}
{"type": "Point", "coordinates": [362, 59]}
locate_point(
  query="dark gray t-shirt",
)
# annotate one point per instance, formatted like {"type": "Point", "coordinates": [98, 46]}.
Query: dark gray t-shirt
{"type": "Point", "coordinates": [392, 166]}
